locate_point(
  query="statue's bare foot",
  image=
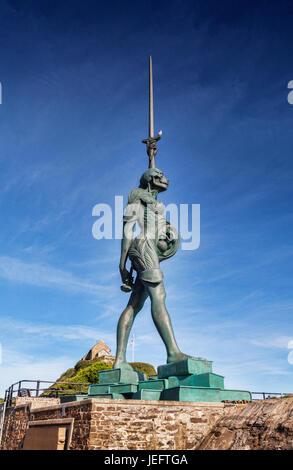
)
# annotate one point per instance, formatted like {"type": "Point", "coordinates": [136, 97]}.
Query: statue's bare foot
{"type": "Point", "coordinates": [177, 357]}
{"type": "Point", "coordinates": [120, 364]}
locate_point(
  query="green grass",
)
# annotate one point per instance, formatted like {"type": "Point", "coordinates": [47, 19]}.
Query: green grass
{"type": "Point", "coordinates": [88, 372]}
{"type": "Point", "coordinates": [143, 367]}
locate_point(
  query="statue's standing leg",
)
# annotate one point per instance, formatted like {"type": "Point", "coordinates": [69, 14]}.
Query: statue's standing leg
{"type": "Point", "coordinates": [135, 304]}
{"type": "Point", "coordinates": [162, 320]}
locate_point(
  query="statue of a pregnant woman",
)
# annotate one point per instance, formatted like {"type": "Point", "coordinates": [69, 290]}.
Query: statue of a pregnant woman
{"type": "Point", "coordinates": [157, 241]}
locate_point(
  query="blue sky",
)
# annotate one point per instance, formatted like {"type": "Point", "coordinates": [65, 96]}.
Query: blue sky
{"type": "Point", "coordinates": [74, 112]}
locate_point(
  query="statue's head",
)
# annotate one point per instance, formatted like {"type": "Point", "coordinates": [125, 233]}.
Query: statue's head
{"type": "Point", "coordinates": [155, 179]}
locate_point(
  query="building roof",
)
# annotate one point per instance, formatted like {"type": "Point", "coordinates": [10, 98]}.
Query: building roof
{"type": "Point", "coordinates": [94, 351]}
{"type": "Point", "coordinates": [101, 345]}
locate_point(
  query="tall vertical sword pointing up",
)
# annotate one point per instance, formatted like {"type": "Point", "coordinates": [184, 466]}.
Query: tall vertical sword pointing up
{"type": "Point", "coordinates": [152, 140]}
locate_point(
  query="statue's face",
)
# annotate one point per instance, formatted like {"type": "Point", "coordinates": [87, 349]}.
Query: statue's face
{"type": "Point", "coordinates": [159, 180]}
{"type": "Point", "coordinates": [155, 179]}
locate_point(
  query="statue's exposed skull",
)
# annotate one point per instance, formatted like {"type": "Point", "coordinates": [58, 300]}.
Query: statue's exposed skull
{"type": "Point", "coordinates": [155, 178]}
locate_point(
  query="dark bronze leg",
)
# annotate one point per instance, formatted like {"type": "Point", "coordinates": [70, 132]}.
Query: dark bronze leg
{"type": "Point", "coordinates": [135, 304]}
{"type": "Point", "coordinates": [162, 320]}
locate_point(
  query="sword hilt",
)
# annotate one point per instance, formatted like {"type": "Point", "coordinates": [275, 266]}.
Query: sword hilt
{"type": "Point", "coordinates": [152, 150]}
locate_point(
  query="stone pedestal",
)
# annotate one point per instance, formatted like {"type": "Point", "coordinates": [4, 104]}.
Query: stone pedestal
{"type": "Point", "coordinates": [116, 376]}
{"type": "Point", "coordinates": [71, 397]}
{"type": "Point", "coordinates": [116, 383]}
{"type": "Point", "coordinates": [190, 379]}
{"type": "Point", "coordinates": [185, 367]}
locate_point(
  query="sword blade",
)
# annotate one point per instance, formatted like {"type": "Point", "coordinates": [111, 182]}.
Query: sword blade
{"type": "Point", "coordinates": [151, 100]}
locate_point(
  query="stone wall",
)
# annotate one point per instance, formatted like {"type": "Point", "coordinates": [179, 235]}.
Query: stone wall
{"type": "Point", "coordinates": [161, 425]}
{"type": "Point", "coordinates": [16, 419]}
{"type": "Point", "coordinates": [36, 402]}
{"type": "Point", "coordinates": [121, 424]}
{"type": "Point", "coordinates": [150, 425]}
{"type": "Point", "coordinates": [263, 425]}
{"type": "Point", "coordinates": [14, 428]}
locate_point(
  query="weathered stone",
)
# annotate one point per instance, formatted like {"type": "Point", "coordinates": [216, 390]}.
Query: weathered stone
{"type": "Point", "coordinates": [142, 426]}
{"type": "Point", "coordinates": [153, 384]}
{"type": "Point", "coordinates": [147, 394]}
{"type": "Point", "coordinates": [265, 425]}
{"type": "Point", "coordinates": [187, 366]}
{"type": "Point", "coordinates": [117, 376]}
{"type": "Point", "coordinates": [198, 380]}
{"type": "Point", "coordinates": [198, 420]}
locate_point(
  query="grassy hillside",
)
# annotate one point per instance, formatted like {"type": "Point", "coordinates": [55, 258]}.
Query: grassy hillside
{"type": "Point", "coordinates": [144, 367]}
{"type": "Point", "coordinates": [88, 372]}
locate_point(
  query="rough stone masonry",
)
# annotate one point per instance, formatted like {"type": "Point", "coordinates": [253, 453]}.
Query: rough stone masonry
{"type": "Point", "coordinates": [161, 425]}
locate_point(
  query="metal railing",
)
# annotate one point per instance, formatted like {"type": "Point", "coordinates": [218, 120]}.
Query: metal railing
{"type": "Point", "coordinates": [268, 395]}
{"type": "Point", "coordinates": [2, 417]}
{"type": "Point", "coordinates": [22, 389]}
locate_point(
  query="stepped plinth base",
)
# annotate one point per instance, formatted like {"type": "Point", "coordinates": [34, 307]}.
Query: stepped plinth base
{"type": "Point", "coordinates": [159, 384]}
{"type": "Point", "coordinates": [72, 397]}
{"type": "Point", "coordinates": [190, 379]}
{"type": "Point", "coordinates": [118, 376]}
{"type": "Point", "coordinates": [98, 389]}
{"type": "Point", "coordinates": [114, 396]}
{"type": "Point", "coordinates": [147, 394]}
{"type": "Point", "coordinates": [201, 380]}
{"type": "Point", "coordinates": [204, 394]}
{"type": "Point", "coordinates": [123, 388]}
{"type": "Point", "coordinates": [186, 366]}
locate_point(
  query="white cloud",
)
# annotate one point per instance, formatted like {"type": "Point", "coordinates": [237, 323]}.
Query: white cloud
{"type": "Point", "coordinates": [281, 342]}
{"type": "Point", "coordinates": [57, 331]}
{"type": "Point", "coordinates": [25, 367]}
{"type": "Point", "coordinates": [29, 350]}
{"type": "Point", "coordinates": [43, 275]}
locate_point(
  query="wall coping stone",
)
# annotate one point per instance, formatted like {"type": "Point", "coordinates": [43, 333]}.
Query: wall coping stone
{"type": "Point", "coordinates": [128, 403]}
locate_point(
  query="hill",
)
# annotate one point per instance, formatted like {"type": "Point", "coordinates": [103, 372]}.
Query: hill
{"type": "Point", "coordinates": [87, 371]}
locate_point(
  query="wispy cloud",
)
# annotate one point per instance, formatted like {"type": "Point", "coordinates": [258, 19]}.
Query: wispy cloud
{"type": "Point", "coordinates": [279, 342]}
{"type": "Point", "coordinates": [43, 275]}
{"type": "Point", "coordinates": [21, 366]}
{"type": "Point", "coordinates": [57, 331]}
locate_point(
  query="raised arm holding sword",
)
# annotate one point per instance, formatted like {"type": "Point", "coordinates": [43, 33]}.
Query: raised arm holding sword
{"type": "Point", "coordinates": [157, 241]}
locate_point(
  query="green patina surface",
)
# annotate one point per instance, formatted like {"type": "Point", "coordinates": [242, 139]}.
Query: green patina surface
{"type": "Point", "coordinates": [97, 389]}
{"type": "Point", "coordinates": [141, 377]}
{"type": "Point", "coordinates": [147, 394]}
{"type": "Point", "coordinates": [187, 366]}
{"type": "Point", "coordinates": [118, 376]}
{"type": "Point", "coordinates": [159, 384]}
{"type": "Point", "coordinates": [204, 394]}
{"type": "Point", "coordinates": [200, 380]}
{"type": "Point", "coordinates": [68, 398]}
{"type": "Point", "coordinates": [185, 393]}
{"type": "Point", "coordinates": [123, 388]}
{"type": "Point", "coordinates": [185, 385]}
{"type": "Point", "coordinates": [191, 378]}
{"type": "Point", "coordinates": [114, 396]}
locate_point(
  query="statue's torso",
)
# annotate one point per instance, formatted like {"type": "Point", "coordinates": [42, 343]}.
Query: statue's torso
{"type": "Point", "coordinates": [153, 243]}
{"type": "Point", "coordinates": [148, 213]}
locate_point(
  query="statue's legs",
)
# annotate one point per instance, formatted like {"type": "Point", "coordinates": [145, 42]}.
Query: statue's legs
{"type": "Point", "coordinates": [161, 318]}
{"type": "Point", "coordinates": [135, 304]}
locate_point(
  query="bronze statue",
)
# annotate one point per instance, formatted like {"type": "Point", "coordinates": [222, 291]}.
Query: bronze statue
{"type": "Point", "coordinates": [157, 241]}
